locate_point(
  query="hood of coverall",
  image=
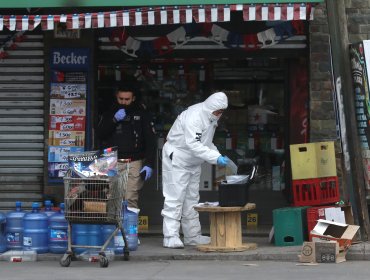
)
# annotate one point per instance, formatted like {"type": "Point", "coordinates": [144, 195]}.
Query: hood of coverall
{"type": "Point", "coordinates": [214, 102]}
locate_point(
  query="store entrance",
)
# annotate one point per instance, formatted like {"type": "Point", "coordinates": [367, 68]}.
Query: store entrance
{"type": "Point", "coordinates": [256, 124]}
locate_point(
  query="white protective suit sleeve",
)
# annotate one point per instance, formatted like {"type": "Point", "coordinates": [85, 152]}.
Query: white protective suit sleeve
{"type": "Point", "coordinates": [193, 134]}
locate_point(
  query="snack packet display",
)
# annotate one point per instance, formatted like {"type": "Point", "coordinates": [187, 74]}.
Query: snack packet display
{"type": "Point", "coordinates": [94, 163]}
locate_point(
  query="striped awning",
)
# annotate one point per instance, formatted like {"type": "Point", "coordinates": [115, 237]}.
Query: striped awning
{"type": "Point", "coordinates": [160, 16]}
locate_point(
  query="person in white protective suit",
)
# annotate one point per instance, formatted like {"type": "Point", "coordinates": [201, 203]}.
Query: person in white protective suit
{"type": "Point", "coordinates": [188, 145]}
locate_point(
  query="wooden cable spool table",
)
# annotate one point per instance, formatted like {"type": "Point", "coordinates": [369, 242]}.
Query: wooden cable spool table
{"type": "Point", "coordinates": [226, 229]}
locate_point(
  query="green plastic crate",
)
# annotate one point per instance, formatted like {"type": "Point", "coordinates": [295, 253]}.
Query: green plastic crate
{"type": "Point", "coordinates": [290, 226]}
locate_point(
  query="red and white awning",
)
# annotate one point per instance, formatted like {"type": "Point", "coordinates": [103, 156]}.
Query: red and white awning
{"type": "Point", "coordinates": [160, 16]}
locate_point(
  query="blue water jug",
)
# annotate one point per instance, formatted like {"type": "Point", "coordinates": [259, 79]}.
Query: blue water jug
{"type": "Point", "coordinates": [14, 228]}
{"type": "Point", "coordinates": [130, 222]}
{"type": "Point", "coordinates": [58, 232]}
{"type": "Point", "coordinates": [86, 234]}
{"type": "Point", "coordinates": [35, 230]}
{"type": "Point", "coordinates": [116, 244]}
{"type": "Point", "coordinates": [48, 208]}
{"type": "Point", "coordinates": [2, 233]}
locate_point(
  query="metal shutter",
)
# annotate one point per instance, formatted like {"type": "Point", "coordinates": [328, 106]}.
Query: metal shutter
{"type": "Point", "coordinates": [22, 122]}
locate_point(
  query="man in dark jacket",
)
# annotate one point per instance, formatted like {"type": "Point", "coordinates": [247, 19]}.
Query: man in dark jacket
{"type": "Point", "coordinates": [128, 126]}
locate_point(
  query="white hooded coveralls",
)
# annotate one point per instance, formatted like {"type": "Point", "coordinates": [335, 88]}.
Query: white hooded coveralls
{"type": "Point", "coordinates": [188, 145]}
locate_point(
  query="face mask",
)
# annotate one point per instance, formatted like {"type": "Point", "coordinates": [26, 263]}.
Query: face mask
{"type": "Point", "coordinates": [214, 118]}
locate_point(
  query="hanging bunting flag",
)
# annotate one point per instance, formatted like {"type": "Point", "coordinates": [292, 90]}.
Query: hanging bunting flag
{"type": "Point", "coordinates": [290, 12]}
{"type": "Point", "coordinates": [265, 13]}
{"type": "Point", "coordinates": [12, 23]}
{"type": "Point", "coordinates": [88, 20]}
{"type": "Point", "coordinates": [176, 15]}
{"type": "Point", "coordinates": [227, 13]}
{"type": "Point", "coordinates": [132, 45]}
{"type": "Point", "coordinates": [75, 21]}
{"type": "Point", "coordinates": [267, 37]}
{"type": "Point", "coordinates": [151, 17]}
{"type": "Point", "coordinates": [138, 17]}
{"type": "Point", "coordinates": [100, 20]}
{"type": "Point", "coordinates": [162, 15]}
{"type": "Point", "coordinates": [25, 23]}
{"type": "Point", "coordinates": [302, 12]}
{"type": "Point", "coordinates": [126, 18]}
{"type": "Point", "coordinates": [201, 15]}
{"type": "Point", "coordinates": [219, 34]}
{"type": "Point", "coordinates": [63, 18]}
{"type": "Point", "coordinates": [37, 21]}
{"type": "Point", "coordinates": [277, 12]}
{"type": "Point", "coordinates": [177, 36]}
{"type": "Point", "coordinates": [214, 14]}
{"type": "Point", "coordinates": [113, 19]}
{"type": "Point", "coordinates": [189, 15]}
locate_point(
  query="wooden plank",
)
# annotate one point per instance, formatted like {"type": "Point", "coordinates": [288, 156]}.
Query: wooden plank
{"type": "Point", "coordinates": [248, 206]}
{"type": "Point", "coordinates": [213, 228]}
{"type": "Point", "coordinates": [221, 231]}
{"type": "Point", "coordinates": [233, 229]}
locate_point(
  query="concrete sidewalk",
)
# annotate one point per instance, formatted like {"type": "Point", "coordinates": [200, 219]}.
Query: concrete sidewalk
{"type": "Point", "coordinates": [151, 250]}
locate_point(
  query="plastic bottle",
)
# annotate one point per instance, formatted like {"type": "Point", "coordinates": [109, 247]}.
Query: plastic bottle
{"type": "Point", "coordinates": [86, 234]}
{"type": "Point", "coordinates": [14, 227]}
{"type": "Point", "coordinates": [2, 233]}
{"type": "Point", "coordinates": [48, 210]}
{"type": "Point", "coordinates": [116, 244]}
{"type": "Point", "coordinates": [130, 222]}
{"type": "Point", "coordinates": [58, 232]}
{"type": "Point", "coordinates": [35, 233]}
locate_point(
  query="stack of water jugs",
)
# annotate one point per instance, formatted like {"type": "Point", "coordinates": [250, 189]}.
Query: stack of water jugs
{"type": "Point", "coordinates": [46, 231]}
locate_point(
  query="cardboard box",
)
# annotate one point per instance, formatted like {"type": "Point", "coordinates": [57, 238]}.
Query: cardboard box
{"type": "Point", "coordinates": [95, 206]}
{"type": "Point", "coordinates": [333, 231]}
{"type": "Point", "coordinates": [321, 252]}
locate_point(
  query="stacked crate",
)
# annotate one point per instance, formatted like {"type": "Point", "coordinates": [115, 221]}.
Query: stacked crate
{"type": "Point", "coordinates": [314, 174]}
{"type": "Point", "coordinates": [315, 183]}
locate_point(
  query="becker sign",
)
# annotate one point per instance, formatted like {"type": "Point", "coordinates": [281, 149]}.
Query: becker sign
{"type": "Point", "coordinates": [70, 58]}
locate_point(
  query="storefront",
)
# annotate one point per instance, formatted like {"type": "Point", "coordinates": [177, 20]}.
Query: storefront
{"type": "Point", "coordinates": [257, 53]}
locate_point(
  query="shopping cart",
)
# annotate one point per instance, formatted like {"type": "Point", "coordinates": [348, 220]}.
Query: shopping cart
{"type": "Point", "coordinates": [95, 200]}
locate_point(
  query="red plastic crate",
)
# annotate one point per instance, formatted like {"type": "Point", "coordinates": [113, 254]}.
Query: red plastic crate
{"type": "Point", "coordinates": [316, 191]}
{"type": "Point", "coordinates": [313, 214]}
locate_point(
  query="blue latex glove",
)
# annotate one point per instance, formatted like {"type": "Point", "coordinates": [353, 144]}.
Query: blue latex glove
{"type": "Point", "coordinates": [148, 172]}
{"type": "Point", "coordinates": [222, 161]}
{"type": "Point", "coordinates": [120, 115]}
